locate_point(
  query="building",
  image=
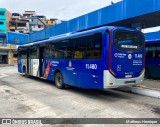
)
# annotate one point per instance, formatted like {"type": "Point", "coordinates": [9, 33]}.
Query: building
{"type": "Point", "coordinates": [5, 17]}
{"type": "Point", "coordinates": [17, 16]}
{"type": "Point", "coordinates": [37, 23]}
{"type": "Point", "coordinates": [8, 53]}
{"type": "Point", "coordinates": [19, 25]}
{"type": "Point", "coordinates": [28, 22]}
{"type": "Point", "coordinates": [29, 14]}
{"type": "Point", "coordinates": [50, 22]}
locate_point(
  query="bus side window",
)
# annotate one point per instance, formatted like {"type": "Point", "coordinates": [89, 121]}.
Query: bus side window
{"type": "Point", "coordinates": [22, 54]}
{"type": "Point", "coordinates": [94, 46]}
{"type": "Point", "coordinates": [33, 53]}
{"type": "Point", "coordinates": [150, 51]}
{"type": "Point", "coordinates": [157, 53]}
{"type": "Point", "coordinates": [80, 48]}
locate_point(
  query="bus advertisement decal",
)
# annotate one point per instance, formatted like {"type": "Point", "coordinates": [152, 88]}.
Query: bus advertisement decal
{"type": "Point", "coordinates": [47, 69]}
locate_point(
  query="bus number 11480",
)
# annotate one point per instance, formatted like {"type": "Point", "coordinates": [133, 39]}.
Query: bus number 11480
{"type": "Point", "coordinates": [91, 66]}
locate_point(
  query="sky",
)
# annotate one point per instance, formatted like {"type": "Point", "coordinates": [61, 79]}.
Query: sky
{"type": "Point", "coordinates": [61, 9]}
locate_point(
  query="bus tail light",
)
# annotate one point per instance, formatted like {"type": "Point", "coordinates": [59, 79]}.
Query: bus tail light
{"type": "Point", "coordinates": [114, 74]}
{"type": "Point", "coordinates": [110, 83]}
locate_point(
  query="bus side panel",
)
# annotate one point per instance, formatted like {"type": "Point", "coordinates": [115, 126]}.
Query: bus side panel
{"type": "Point", "coordinates": [34, 67]}
{"type": "Point", "coordinates": [150, 66]}
{"type": "Point", "coordinates": [90, 74]}
{"type": "Point", "coordinates": [50, 66]}
{"type": "Point", "coordinates": [46, 69]}
{"type": "Point", "coordinates": [22, 63]}
{"type": "Point", "coordinates": [19, 65]}
{"type": "Point", "coordinates": [70, 68]}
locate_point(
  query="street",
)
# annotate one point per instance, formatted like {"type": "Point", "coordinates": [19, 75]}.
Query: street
{"type": "Point", "coordinates": [22, 97]}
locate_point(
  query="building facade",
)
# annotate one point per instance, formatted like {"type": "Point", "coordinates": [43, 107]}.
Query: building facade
{"type": "Point", "coordinates": [26, 23]}
{"type": "Point", "coordinates": [37, 23]}
{"type": "Point", "coordinates": [8, 53]}
{"type": "Point", "coordinates": [19, 25]}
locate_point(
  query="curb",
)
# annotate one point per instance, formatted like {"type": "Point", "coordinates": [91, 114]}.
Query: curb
{"type": "Point", "coordinates": [5, 65]}
{"type": "Point", "coordinates": [141, 91]}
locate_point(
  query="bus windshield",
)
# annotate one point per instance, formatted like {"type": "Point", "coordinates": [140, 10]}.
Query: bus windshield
{"type": "Point", "coordinates": [127, 40]}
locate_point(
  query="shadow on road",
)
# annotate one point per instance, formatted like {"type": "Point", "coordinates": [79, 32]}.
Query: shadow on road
{"type": "Point", "coordinates": [107, 94]}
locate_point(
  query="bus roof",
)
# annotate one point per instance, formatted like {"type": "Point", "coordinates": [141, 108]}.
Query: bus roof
{"type": "Point", "coordinates": [153, 41]}
{"type": "Point", "coordinates": [75, 34]}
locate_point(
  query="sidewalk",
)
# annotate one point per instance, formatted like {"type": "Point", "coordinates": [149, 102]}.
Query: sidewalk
{"type": "Point", "coordinates": [149, 88]}
{"type": "Point", "coordinates": [151, 84]}
{"type": "Point", "coordinates": [4, 65]}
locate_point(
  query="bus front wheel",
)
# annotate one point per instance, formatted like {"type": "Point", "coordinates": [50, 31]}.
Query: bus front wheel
{"type": "Point", "coordinates": [59, 80]}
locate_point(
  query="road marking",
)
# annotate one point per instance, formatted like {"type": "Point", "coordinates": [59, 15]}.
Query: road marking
{"type": "Point", "coordinates": [3, 75]}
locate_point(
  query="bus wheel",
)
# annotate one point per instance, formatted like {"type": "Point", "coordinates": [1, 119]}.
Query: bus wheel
{"type": "Point", "coordinates": [59, 80]}
{"type": "Point", "coordinates": [147, 74]}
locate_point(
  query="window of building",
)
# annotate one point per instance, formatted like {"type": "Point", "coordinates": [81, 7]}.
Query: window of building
{"type": "Point", "coordinates": [15, 55]}
{"type": "Point", "coordinates": [1, 12]}
{"type": "Point", "coordinates": [21, 24]}
{"type": "Point", "coordinates": [1, 23]}
{"type": "Point", "coordinates": [21, 31]}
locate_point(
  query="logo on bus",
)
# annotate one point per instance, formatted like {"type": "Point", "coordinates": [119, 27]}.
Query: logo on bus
{"type": "Point", "coordinates": [70, 66]}
{"type": "Point", "coordinates": [120, 55]}
{"type": "Point", "coordinates": [129, 56]}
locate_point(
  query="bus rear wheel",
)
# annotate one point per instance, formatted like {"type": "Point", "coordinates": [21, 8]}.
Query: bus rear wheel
{"type": "Point", "coordinates": [59, 80]}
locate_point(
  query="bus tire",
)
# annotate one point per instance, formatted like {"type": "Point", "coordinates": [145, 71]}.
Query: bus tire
{"type": "Point", "coordinates": [147, 74]}
{"type": "Point", "coordinates": [59, 80]}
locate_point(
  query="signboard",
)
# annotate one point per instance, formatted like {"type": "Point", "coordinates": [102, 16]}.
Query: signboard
{"type": "Point", "coordinates": [17, 38]}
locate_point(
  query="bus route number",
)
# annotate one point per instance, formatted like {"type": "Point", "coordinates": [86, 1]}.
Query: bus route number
{"type": "Point", "coordinates": [91, 66]}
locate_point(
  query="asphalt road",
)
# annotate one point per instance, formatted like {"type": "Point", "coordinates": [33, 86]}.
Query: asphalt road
{"type": "Point", "coordinates": [22, 97]}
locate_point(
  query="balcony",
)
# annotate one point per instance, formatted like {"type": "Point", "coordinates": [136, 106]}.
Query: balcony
{"type": "Point", "coordinates": [12, 27]}
{"type": "Point", "coordinates": [4, 46]}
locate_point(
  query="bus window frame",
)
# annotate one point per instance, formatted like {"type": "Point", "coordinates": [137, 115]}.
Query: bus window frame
{"type": "Point", "coordinates": [20, 55]}
{"type": "Point", "coordinates": [127, 49]}
{"type": "Point", "coordinates": [30, 48]}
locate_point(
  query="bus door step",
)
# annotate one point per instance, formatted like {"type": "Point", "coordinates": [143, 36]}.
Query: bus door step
{"type": "Point", "coordinates": [43, 78]}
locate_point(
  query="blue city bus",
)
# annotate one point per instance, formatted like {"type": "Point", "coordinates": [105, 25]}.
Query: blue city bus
{"type": "Point", "coordinates": [99, 58]}
{"type": "Point", "coordinates": [152, 66]}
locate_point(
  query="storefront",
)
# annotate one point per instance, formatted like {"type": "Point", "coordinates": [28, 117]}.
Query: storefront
{"type": "Point", "coordinates": [3, 57]}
